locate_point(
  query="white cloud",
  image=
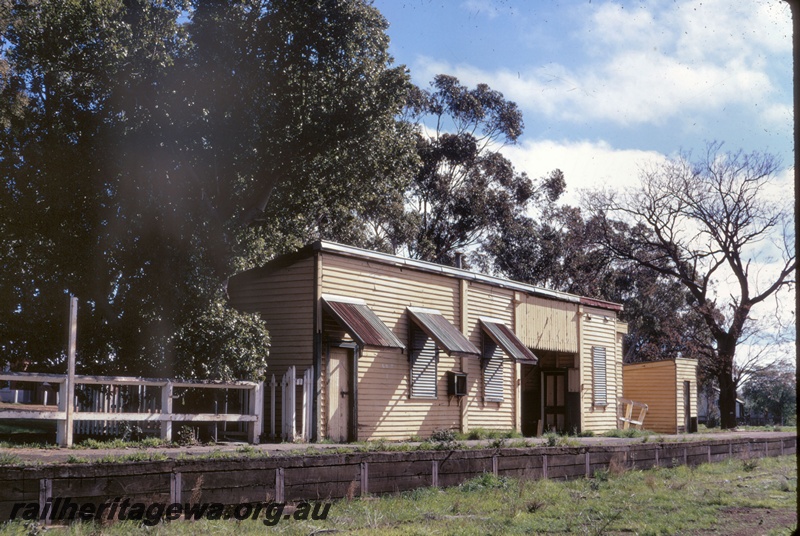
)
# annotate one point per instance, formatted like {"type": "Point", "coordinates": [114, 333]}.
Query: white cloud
{"type": "Point", "coordinates": [586, 164]}
{"type": "Point", "coordinates": [650, 64]}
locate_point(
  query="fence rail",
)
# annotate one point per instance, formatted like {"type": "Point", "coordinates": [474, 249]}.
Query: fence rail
{"type": "Point", "coordinates": [101, 410]}
{"type": "Point", "coordinates": [108, 405]}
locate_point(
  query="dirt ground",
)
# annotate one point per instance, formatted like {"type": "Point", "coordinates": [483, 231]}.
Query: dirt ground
{"type": "Point", "coordinates": [753, 522]}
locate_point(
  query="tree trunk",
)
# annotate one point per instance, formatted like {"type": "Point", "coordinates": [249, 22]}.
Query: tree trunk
{"type": "Point", "coordinates": [727, 394]}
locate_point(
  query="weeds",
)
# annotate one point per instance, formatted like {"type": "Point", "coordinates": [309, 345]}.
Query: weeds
{"type": "Point", "coordinates": [628, 433]}
{"type": "Point", "coordinates": [557, 440]}
{"type": "Point", "coordinates": [95, 444]}
{"type": "Point", "coordinates": [7, 458]}
{"type": "Point", "coordinates": [483, 433]}
{"type": "Point", "coordinates": [750, 464]}
{"type": "Point", "coordinates": [134, 457]}
{"type": "Point", "coordinates": [44, 446]}
{"type": "Point", "coordinates": [485, 481]}
{"type": "Point", "coordinates": [443, 435]}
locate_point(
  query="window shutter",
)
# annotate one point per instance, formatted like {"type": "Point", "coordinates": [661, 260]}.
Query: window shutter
{"type": "Point", "coordinates": [599, 389]}
{"type": "Point", "coordinates": [492, 371]}
{"type": "Point", "coordinates": [424, 355]}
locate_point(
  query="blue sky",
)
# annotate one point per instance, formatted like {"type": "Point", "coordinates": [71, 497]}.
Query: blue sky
{"type": "Point", "coordinates": [606, 86]}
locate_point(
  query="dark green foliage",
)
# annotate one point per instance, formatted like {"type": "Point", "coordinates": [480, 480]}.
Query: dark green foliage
{"type": "Point", "coordinates": [465, 190]}
{"type": "Point", "coordinates": [145, 158]}
{"type": "Point", "coordinates": [771, 395]}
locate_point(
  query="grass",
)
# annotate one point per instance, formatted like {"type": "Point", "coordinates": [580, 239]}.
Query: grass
{"type": "Point", "coordinates": [630, 432]}
{"type": "Point", "coordinates": [768, 428]}
{"type": "Point", "coordinates": [483, 433]}
{"type": "Point", "coordinates": [150, 442]}
{"type": "Point", "coordinates": [729, 497]}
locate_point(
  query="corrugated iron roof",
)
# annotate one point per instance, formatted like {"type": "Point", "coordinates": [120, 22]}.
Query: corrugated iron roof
{"type": "Point", "coordinates": [443, 332]}
{"type": "Point", "coordinates": [360, 322]}
{"type": "Point", "coordinates": [393, 260]}
{"type": "Point", "coordinates": [508, 341]}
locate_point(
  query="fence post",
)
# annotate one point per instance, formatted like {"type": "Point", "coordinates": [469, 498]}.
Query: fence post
{"type": "Point", "coordinates": [166, 409]}
{"type": "Point", "coordinates": [46, 492]}
{"type": "Point", "coordinates": [272, 385]}
{"type": "Point", "coordinates": [64, 429]}
{"type": "Point", "coordinates": [364, 478]}
{"type": "Point", "coordinates": [175, 487]}
{"type": "Point", "coordinates": [288, 397]}
{"type": "Point", "coordinates": [292, 402]}
{"type": "Point", "coordinates": [308, 381]}
{"type": "Point", "coordinates": [280, 495]}
{"type": "Point", "coordinates": [257, 409]}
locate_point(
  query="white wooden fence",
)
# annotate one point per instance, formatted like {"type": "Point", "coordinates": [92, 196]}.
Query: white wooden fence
{"type": "Point", "coordinates": [288, 388]}
{"type": "Point", "coordinates": [107, 407]}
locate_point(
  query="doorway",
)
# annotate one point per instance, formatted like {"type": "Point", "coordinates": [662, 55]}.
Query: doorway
{"type": "Point", "coordinates": [687, 407]}
{"type": "Point", "coordinates": [341, 395]}
{"type": "Point", "coordinates": [530, 400]}
{"type": "Point", "coordinates": [554, 406]}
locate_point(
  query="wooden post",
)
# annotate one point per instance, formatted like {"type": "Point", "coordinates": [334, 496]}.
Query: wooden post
{"type": "Point", "coordinates": [364, 479]}
{"type": "Point", "coordinates": [46, 492]}
{"type": "Point", "coordinates": [279, 485]}
{"type": "Point", "coordinates": [272, 386]}
{"type": "Point", "coordinates": [65, 403]}
{"type": "Point", "coordinates": [257, 409]}
{"type": "Point", "coordinates": [463, 401]}
{"type": "Point", "coordinates": [305, 436]}
{"type": "Point", "coordinates": [175, 488]}
{"type": "Point", "coordinates": [166, 409]}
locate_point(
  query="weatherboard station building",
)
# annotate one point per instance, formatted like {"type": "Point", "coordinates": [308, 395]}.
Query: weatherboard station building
{"type": "Point", "coordinates": [401, 348]}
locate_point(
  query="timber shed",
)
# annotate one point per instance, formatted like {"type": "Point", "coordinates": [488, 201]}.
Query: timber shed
{"type": "Point", "coordinates": [401, 348]}
{"type": "Point", "coordinates": [669, 388]}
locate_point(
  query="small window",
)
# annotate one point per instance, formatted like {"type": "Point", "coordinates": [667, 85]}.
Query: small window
{"type": "Point", "coordinates": [599, 388]}
{"type": "Point", "coordinates": [424, 358]}
{"type": "Point", "coordinates": [492, 371]}
{"type": "Point", "coordinates": [456, 383]}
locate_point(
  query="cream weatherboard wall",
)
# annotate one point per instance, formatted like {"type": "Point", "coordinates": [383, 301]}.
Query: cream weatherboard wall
{"type": "Point", "coordinates": [659, 384]}
{"type": "Point", "coordinates": [285, 299]}
{"type": "Point", "coordinates": [384, 407]}
{"type": "Point", "coordinates": [544, 324]}
{"type": "Point", "coordinates": [497, 303]}
{"type": "Point", "coordinates": [686, 371]}
{"type": "Point", "coordinates": [654, 384]}
{"type": "Point", "coordinates": [287, 292]}
{"type": "Point", "coordinates": [598, 329]}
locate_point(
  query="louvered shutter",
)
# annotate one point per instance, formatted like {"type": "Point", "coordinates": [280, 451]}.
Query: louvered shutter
{"type": "Point", "coordinates": [424, 356]}
{"type": "Point", "coordinates": [492, 371]}
{"type": "Point", "coordinates": [599, 389]}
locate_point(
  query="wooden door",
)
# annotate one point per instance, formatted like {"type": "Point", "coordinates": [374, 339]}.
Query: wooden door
{"type": "Point", "coordinates": [554, 400]}
{"type": "Point", "coordinates": [340, 394]}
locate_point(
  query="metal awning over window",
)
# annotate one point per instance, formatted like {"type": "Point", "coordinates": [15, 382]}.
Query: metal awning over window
{"type": "Point", "coordinates": [357, 319]}
{"type": "Point", "coordinates": [443, 332]}
{"type": "Point", "coordinates": [508, 341]}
